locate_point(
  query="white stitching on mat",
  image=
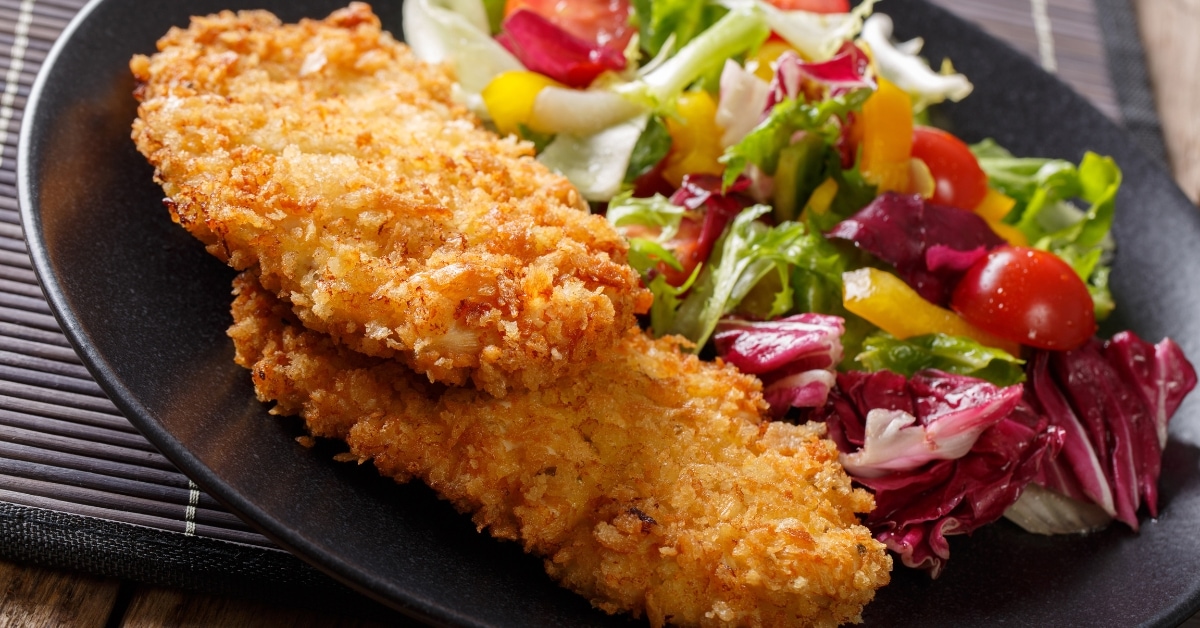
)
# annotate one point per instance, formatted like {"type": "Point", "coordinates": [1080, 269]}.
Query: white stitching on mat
{"type": "Point", "coordinates": [13, 76]}
{"type": "Point", "coordinates": [1045, 35]}
{"type": "Point", "coordinates": [189, 526]}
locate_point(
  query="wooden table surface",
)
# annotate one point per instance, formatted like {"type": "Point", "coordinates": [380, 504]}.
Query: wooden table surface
{"type": "Point", "coordinates": [35, 596]}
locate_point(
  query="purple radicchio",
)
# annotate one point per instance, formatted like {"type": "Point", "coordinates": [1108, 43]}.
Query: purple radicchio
{"type": "Point", "coordinates": [794, 77]}
{"type": "Point", "coordinates": [794, 356]}
{"type": "Point", "coordinates": [1113, 401]}
{"type": "Point", "coordinates": [929, 245]}
{"type": "Point", "coordinates": [702, 193]}
{"type": "Point", "coordinates": [970, 449]}
{"type": "Point", "coordinates": [546, 48]}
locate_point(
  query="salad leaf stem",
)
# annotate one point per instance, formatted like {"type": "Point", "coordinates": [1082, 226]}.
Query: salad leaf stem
{"type": "Point", "coordinates": [739, 31]}
{"type": "Point", "coordinates": [763, 145]}
{"type": "Point", "coordinates": [748, 252]}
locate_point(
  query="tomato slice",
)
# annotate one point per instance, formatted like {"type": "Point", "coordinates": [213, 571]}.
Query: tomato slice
{"type": "Point", "coordinates": [960, 182]}
{"type": "Point", "coordinates": [813, 6]}
{"type": "Point", "coordinates": [605, 22]}
{"type": "Point", "coordinates": [1028, 296]}
{"type": "Point", "coordinates": [686, 247]}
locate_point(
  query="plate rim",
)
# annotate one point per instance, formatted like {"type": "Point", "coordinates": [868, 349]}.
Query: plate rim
{"type": "Point", "coordinates": [347, 573]}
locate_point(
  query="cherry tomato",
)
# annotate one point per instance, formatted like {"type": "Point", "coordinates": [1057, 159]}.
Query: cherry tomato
{"type": "Point", "coordinates": [813, 6]}
{"type": "Point", "coordinates": [960, 181]}
{"type": "Point", "coordinates": [1028, 296]}
{"type": "Point", "coordinates": [605, 22]}
{"type": "Point", "coordinates": [686, 247]}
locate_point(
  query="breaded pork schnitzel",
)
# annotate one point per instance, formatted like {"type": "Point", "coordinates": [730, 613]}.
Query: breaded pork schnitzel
{"type": "Point", "coordinates": [327, 159]}
{"type": "Point", "coordinates": [651, 483]}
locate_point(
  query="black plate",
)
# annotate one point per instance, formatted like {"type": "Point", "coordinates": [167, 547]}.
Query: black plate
{"type": "Point", "coordinates": [147, 310]}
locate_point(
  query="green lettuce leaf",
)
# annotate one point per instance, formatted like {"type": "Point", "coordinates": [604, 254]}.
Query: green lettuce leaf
{"type": "Point", "coordinates": [655, 212]}
{"type": "Point", "coordinates": [817, 287]}
{"type": "Point", "coordinates": [658, 214]}
{"type": "Point", "coordinates": [678, 20]}
{"type": "Point", "coordinates": [737, 31]}
{"type": "Point", "coordinates": [645, 254]}
{"type": "Point", "coordinates": [666, 301]}
{"type": "Point", "coordinates": [651, 147]}
{"type": "Point", "coordinates": [748, 252]}
{"type": "Point", "coordinates": [952, 354]}
{"type": "Point", "coordinates": [539, 140]}
{"type": "Point", "coordinates": [1049, 195]}
{"type": "Point", "coordinates": [495, 14]}
{"type": "Point", "coordinates": [763, 145]}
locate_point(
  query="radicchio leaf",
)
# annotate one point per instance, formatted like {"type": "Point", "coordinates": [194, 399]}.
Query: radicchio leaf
{"type": "Point", "coordinates": [993, 444]}
{"type": "Point", "coordinates": [915, 512]}
{"type": "Point", "coordinates": [794, 356]}
{"type": "Point", "coordinates": [942, 258]}
{"type": "Point", "coordinates": [933, 416]}
{"type": "Point", "coordinates": [1079, 471]}
{"type": "Point", "coordinates": [546, 48]}
{"type": "Point", "coordinates": [794, 77]}
{"type": "Point", "coordinates": [702, 193]}
{"type": "Point", "coordinates": [1113, 400]}
{"type": "Point", "coordinates": [927, 244]}
{"type": "Point", "coordinates": [1160, 373]}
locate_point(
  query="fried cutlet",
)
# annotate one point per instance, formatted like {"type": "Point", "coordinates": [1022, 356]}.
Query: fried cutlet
{"type": "Point", "coordinates": [337, 167]}
{"type": "Point", "coordinates": [651, 484]}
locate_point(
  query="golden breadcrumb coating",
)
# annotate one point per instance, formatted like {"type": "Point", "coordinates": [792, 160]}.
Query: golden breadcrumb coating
{"type": "Point", "coordinates": [329, 160]}
{"type": "Point", "coordinates": [650, 483]}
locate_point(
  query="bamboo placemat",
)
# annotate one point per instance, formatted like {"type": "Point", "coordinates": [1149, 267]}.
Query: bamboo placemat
{"type": "Point", "coordinates": [80, 488]}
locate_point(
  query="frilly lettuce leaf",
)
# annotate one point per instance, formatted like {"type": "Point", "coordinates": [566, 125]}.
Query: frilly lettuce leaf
{"type": "Point", "coordinates": [762, 145]}
{"type": "Point", "coordinates": [1045, 212]}
{"type": "Point", "coordinates": [657, 212]}
{"type": "Point", "coordinates": [951, 354]}
{"type": "Point", "coordinates": [673, 21]}
{"type": "Point", "coordinates": [817, 36]}
{"type": "Point", "coordinates": [747, 253]}
{"type": "Point", "coordinates": [900, 65]}
{"type": "Point", "coordinates": [738, 31]}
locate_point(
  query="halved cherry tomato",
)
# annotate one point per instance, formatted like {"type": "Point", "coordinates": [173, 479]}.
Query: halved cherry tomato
{"type": "Point", "coordinates": [686, 247]}
{"type": "Point", "coordinates": [813, 6]}
{"type": "Point", "coordinates": [605, 22]}
{"type": "Point", "coordinates": [1028, 296]}
{"type": "Point", "coordinates": [895, 307]}
{"type": "Point", "coordinates": [959, 179]}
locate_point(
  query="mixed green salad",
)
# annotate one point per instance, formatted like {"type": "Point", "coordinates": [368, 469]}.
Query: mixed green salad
{"type": "Point", "coordinates": [785, 199]}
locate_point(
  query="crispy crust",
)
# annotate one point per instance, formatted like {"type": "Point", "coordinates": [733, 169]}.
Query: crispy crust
{"type": "Point", "coordinates": [650, 484]}
{"type": "Point", "coordinates": [326, 158]}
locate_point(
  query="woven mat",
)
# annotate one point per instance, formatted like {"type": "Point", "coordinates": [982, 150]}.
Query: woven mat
{"type": "Point", "coordinates": [81, 489]}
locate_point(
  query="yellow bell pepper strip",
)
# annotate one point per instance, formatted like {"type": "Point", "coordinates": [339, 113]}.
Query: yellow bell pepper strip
{"type": "Point", "coordinates": [695, 138]}
{"type": "Point", "coordinates": [1011, 234]}
{"type": "Point", "coordinates": [821, 199]}
{"type": "Point", "coordinates": [766, 57]}
{"type": "Point", "coordinates": [993, 208]}
{"type": "Point", "coordinates": [886, 301]}
{"type": "Point", "coordinates": [509, 99]}
{"type": "Point", "coordinates": [995, 205]}
{"type": "Point", "coordinates": [887, 137]}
